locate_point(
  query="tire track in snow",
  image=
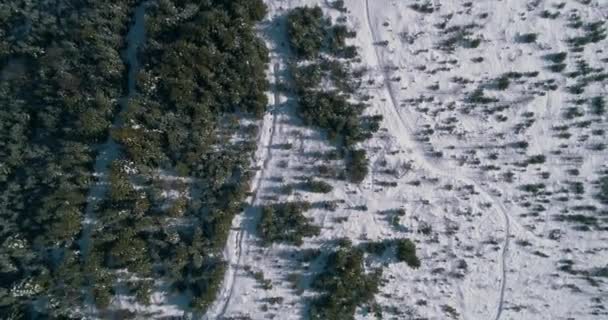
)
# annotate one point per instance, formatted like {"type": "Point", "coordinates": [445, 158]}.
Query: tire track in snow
{"type": "Point", "coordinates": [432, 165]}
{"type": "Point", "coordinates": [228, 288]}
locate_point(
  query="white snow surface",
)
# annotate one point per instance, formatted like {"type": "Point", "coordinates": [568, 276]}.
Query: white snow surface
{"type": "Point", "coordinates": [479, 219]}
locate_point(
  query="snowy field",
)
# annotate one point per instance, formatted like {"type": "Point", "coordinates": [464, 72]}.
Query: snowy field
{"type": "Point", "coordinates": [485, 187]}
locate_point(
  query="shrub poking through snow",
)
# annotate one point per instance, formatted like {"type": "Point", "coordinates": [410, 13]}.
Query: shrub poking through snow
{"type": "Point", "coordinates": [406, 252]}
{"type": "Point", "coordinates": [318, 186]}
{"type": "Point", "coordinates": [284, 222]}
{"type": "Point", "coordinates": [526, 38]}
{"type": "Point", "coordinates": [598, 106]}
{"type": "Point", "coordinates": [556, 57]}
{"type": "Point", "coordinates": [344, 285]}
{"type": "Point", "coordinates": [602, 195]}
{"type": "Point", "coordinates": [356, 169]}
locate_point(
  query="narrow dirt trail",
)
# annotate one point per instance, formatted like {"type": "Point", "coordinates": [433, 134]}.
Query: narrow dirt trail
{"type": "Point", "coordinates": [247, 225]}
{"type": "Point", "coordinates": [401, 128]}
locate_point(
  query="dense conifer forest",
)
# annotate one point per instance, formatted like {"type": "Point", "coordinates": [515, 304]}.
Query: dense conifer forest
{"type": "Point", "coordinates": [172, 191]}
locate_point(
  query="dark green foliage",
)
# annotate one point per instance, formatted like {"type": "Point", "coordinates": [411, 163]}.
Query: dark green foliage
{"type": "Point", "coordinates": [330, 110]}
{"type": "Point", "coordinates": [343, 285]}
{"type": "Point", "coordinates": [502, 83]}
{"type": "Point", "coordinates": [526, 38]}
{"type": "Point", "coordinates": [65, 76]}
{"type": "Point", "coordinates": [594, 32]}
{"type": "Point", "coordinates": [406, 251]}
{"type": "Point", "coordinates": [284, 222]}
{"type": "Point", "coordinates": [356, 168]}
{"type": "Point", "coordinates": [337, 42]}
{"type": "Point", "coordinates": [536, 159]}
{"type": "Point", "coordinates": [181, 119]}
{"type": "Point", "coordinates": [60, 71]}
{"type": "Point", "coordinates": [310, 33]}
{"type": "Point", "coordinates": [318, 186]}
{"type": "Point", "coordinates": [478, 96]}
{"type": "Point", "coordinates": [602, 195]}
{"type": "Point", "coordinates": [549, 15]}
{"type": "Point", "coordinates": [559, 67]}
{"type": "Point", "coordinates": [426, 7]}
{"type": "Point", "coordinates": [556, 57]}
{"type": "Point", "coordinates": [598, 106]}
{"type": "Point", "coordinates": [577, 187]}
{"type": "Point", "coordinates": [460, 35]}
{"type": "Point", "coordinates": [205, 283]}
{"type": "Point", "coordinates": [520, 144]}
{"type": "Point", "coordinates": [334, 113]}
{"type": "Point", "coordinates": [532, 187]}
{"type": "Point", "coordinates": [307, 32]}
{"type": "Point", "coordinates": [578, 218]}
{"type": "Point", "coordinates": [338, 5]}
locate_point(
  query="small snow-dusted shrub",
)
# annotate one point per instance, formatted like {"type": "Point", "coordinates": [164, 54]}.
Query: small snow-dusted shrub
{"type": "Point", "coordinates": [406, 252]}
{"type": "Point", "coordinates": [294, 280]}
{"type": "Point", "coordinates": [318, 186]}
{"type": "Point", "coordinates": [573, 112]}
{"type": "Point", "coordinates": [502, 83]}
{"type": "Point", "coordinates": [536, 159]}
{"type": "Point", "coordinates": [266, 284]}
{"type": "Point", "coordinates": [283, 164]}
{"type": "Point", "coordinates": [284, 146]}
{"type": "Point", "coordinates": [285, 222]}
{"type": "Point", "coordinates": [327, 205]}
{"type": "Point", "coordinates": [526, 38]}
{"type": "Point", "coordinates": [450, 311]}
{"type": "Point", "coordinates": [549, 15]}
{"type": "Point", "coordinates": [598, 106]}
{"type": "Point", "coordinates": [356, 169]}
{"type": "Point", "coordinates": [584, 221]}
{"type": "Point", "coordinates": [575, 21]}
{"type": "Point", "coordinates": [532, 187]}
{"type": "Point", "coordinates": [520, 145]}
{"type": "Point", "coordinates": [274, 300]}
{"type": "Point", "coordinates": [560, 5]}
{"type": "Point", "coordinates": [287, 189]}
{"type": "Point", "coordinates": [594, 32]}
{"type": "Point", "coordinates": [343, 285]}
{"type": "Point", "coordinates": [426, 7]}
{"type": "Point", "coordinates": [460, 35]}
{"type": "Point", "coordinates": [602, 194]}
{"type": "Point", "coordinates": [597, 146]}
{"type": "Point", "coordinates": [478, 96]}
{"type": "Point", "coordinates": [338, 5]}
{"type": "Point", "coordinates": [556, 57]}
{"type": "Point", "coordinates": [559, 67]}
{"type": "Point", "coordinates": [425, 228]}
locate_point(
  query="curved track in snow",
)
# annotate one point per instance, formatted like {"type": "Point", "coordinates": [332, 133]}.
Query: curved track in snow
{"type": "Point", "coordinates": [403, 130]}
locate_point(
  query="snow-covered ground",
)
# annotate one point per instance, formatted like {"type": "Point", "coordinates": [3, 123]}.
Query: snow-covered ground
{"type": "Point", "coordinates": [489, 250]}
